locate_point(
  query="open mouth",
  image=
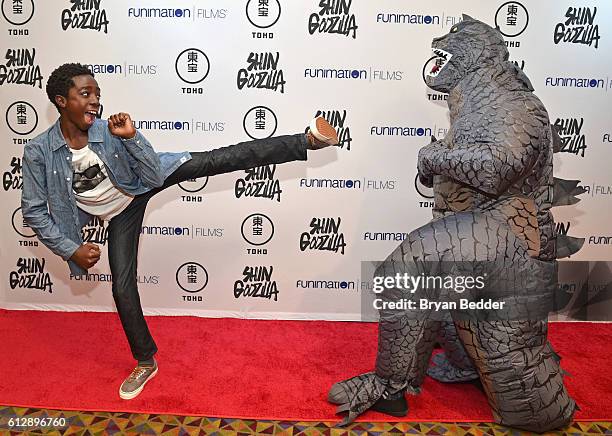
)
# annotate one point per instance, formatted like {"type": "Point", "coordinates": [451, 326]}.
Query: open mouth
{"type": "Point", "coordinates": [441, 59]}
{"type": "Point", "coordinates": [90, 117]}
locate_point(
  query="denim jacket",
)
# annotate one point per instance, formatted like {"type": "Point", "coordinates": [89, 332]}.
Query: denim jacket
{"type": "Point", "coordinates": [48, 203]}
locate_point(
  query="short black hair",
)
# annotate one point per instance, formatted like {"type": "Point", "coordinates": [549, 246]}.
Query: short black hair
{"type": "Point", "coordinates": [60, 81]}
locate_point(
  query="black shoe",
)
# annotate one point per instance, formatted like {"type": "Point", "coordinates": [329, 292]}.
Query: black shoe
{"type": "Point", "coordinates": [395, 407]}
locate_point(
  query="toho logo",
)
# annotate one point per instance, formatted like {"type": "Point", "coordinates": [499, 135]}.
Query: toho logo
{"type": "Point", "coordinates": [191, 277]}
{"type": "Point", "coordinates": [511, 19]}
{"type": "Point", "coordinates": [20, 226]}
{"type": "Point", "coordinates": [260, 122]}
{"type": "Point", "coordinates": [263, 13]}
{"type": "Point", "coordinates": [192, 65]}
{"type": "Point", "coordinates": [21, 118]}
{"type": "Point", "coordinates": [257, 229]}
{"type": "Point", "coordinates": [18, 12]}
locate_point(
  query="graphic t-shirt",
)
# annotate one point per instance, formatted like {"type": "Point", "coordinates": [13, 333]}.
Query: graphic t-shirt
{"type": "Point", "coordinates": [93, 190]}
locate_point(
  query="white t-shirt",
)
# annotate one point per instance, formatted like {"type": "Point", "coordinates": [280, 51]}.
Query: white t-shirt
{"type": "Point", "coordinates": [93, 190]}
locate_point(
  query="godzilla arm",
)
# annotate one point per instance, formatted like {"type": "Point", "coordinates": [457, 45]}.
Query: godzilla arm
{"type": "Point", "coordinates": [487, 167]}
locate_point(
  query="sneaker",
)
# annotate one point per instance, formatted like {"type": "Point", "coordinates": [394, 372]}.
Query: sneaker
{"type": "Point", "coordinates": [394, 406]}
{"type": "Point", "coordinates": [321, 134]}
{"type": "Point", "coordinates": [133, 385]}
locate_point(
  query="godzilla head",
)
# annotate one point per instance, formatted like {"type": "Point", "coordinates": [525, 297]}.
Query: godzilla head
{"type": "Point", "coordinates": [470, 45]}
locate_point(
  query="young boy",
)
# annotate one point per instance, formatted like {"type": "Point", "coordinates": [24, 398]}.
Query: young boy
{"type": "Point", "coordinates": [82, 167]}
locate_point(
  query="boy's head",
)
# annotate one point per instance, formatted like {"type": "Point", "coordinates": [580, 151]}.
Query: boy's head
{"type": "Point", "coordinates": [75, 93]}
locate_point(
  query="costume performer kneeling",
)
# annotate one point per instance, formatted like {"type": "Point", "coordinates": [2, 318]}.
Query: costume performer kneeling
{"type": "Point", "coordinates": [493, 190]}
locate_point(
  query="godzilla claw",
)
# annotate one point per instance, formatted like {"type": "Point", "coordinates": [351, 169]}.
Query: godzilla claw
{"type": "Point", "coordinates": [356, 395]}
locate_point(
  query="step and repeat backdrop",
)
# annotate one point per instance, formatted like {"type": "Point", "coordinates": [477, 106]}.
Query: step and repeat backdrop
{"type": "Point", "coordinates": [286, 241]}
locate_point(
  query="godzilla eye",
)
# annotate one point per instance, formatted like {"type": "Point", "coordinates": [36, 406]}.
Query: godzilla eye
{"type": "Point", "coordinates": [454, 29]}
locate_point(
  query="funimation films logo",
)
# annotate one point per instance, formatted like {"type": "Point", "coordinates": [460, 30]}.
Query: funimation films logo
{"type": "Point", "coordinates": [95, 231]}
{"type": "Point", "coordinates": [572, 138]}
{"type": "Point", "coordinates": [20, 68]}
{"type": "Point", "coordinates": [17, 12]}
{"type": "Point", "coordinates": [334, 16]}
{"type": "Point", "coordinates": [31, 274]}
{"type": "Point", "coordinates": [259, 182]}
{"type": "Point", "coordinates": [21, 118]}
{"type": "Point", "coordinates": [193, 185]}
{"type": "Point", "coordinates": [20, 226]}
{"type": "Point", "coordinates": [191, 277]}
{"type": "Point", "coordinates": [511, 19]}
{"type": "Point", "coordinates": [324, 234]}
{"type": "Point", "coordinates": [260, 122]}
{"type": "Point", "coordinates": [192, 65]}
{"type": "Point", "coordinates": [578, 28]}
{"type": "Point", "coordinates": [263, 13]}
{"type": "Point", "coordinates": [262, 72]}
{"type": "Point", "coordinates": [85, 14]}
{"type": "Point", "coordinates": [337, 118]}
{"type": "Point", "coordinates": [257, 283]}
{"type": "Point", "coordinates": [257, 229]}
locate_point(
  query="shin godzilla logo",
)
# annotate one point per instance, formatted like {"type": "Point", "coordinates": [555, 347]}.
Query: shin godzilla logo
{"type": "Point", "coordinates": [257, 283]}
{"type": "Point", "coordinates": [20, 68]}
{"type": "Point", "coordinates": [334, 16]}
{"type": "Point", "coordinates": [579, 27]}
{"type": "Point", "coordinates": [262, 72]}
{"type": "Point", "coordinates": [259, 182]}
{"type": "Point", "coordinates": [85, 14]}
{"type": "Point", "coordinates": [324, 235]}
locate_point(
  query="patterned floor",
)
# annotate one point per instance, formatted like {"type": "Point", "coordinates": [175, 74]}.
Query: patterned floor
{"type": "Point", "coordinates": [104, 423]}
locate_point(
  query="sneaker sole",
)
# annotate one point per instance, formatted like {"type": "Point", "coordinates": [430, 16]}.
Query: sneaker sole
{"type": "Point", "coordinates": [324, 131]}
{"type": "Point", "coordinates": [130, 395]}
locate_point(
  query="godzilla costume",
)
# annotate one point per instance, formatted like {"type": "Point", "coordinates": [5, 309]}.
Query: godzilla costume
{"type": "Point", "coordinates": [493, 190]}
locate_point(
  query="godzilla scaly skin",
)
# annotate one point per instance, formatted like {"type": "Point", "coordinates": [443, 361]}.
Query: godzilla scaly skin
{"type": "Point", "coordinates": [493, 190]}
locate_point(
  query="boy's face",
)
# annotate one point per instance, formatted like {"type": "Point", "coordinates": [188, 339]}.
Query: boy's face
{"type": "Point", "coordinates": [82, 103]}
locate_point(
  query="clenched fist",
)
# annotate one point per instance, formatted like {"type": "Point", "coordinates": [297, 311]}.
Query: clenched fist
{"type": "Point", "coordinates": [87, 255]}
{"type": "Point", "coordinates": [121, 125]}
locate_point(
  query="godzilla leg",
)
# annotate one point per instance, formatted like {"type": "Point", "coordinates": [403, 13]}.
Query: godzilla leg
{"type": "Point", "coordinates": [406, 339]}
{"type": "Point", "coordinates": [454, 364]}
{"type": "Point", "coordinates": [404, 347]}
{"type": "Point", "coordinates": [520, 373]}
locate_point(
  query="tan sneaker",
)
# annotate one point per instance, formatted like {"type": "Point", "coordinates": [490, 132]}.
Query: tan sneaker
{"type": "Point", "coordinates": [134, 384]}
{"type": "Point", "coordinates": [321, 134]}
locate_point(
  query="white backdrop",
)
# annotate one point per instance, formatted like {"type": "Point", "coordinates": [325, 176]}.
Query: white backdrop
{"type": "Point", "coordinates": [181, 69]}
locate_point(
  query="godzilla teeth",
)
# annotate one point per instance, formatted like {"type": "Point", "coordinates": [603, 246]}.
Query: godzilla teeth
{"type": "Point", "coordinates": [441, 59]}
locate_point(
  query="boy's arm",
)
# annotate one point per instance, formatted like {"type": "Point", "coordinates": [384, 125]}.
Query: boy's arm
{"type": "Point", "coordinates": [34, 206]}
{"type": "Point", "coordinates": [149, 165]}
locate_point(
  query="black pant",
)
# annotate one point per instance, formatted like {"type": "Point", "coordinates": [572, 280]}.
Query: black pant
{"type": "Point", "coordinates": [124, 229]}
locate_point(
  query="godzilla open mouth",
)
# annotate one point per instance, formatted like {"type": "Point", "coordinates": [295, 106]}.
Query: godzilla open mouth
{"type": "Point", "coordinates": [441, 58]}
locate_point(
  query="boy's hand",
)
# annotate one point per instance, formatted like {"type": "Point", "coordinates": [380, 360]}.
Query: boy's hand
{"type": "Point", "coordinates": [121, 125]}
{"type": "Point", "coordinates": [87, 255]}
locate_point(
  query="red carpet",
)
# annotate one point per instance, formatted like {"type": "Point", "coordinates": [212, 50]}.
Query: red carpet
{"type": "Point", "coordinates": [246, 368]}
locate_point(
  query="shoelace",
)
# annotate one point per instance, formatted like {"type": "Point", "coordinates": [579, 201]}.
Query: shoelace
{"type": "Point", "coordinates": [137, 373]}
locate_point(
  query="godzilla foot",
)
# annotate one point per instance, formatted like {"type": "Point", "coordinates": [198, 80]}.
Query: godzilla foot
{"type": "Point", "coordinates": [363, 392]}
{"type": "Point", "coordinates": [444, 371]}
